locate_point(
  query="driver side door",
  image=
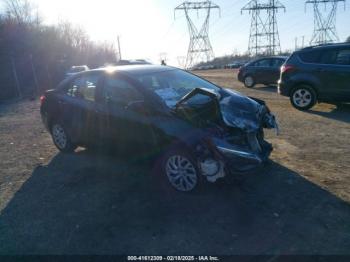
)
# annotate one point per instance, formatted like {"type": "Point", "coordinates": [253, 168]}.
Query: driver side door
{"type": "Point", "coordinates": [127, 119]}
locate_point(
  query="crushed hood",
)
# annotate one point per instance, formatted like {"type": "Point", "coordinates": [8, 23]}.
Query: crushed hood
{"type": "Point", "coordinates": [241, 111]}
{"type": "Point", "coordinates": [235, 110]}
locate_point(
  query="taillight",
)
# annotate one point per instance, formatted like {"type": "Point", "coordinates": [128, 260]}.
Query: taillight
{"type": "Point", "coordinates": [42, 99]}
{"type": "Point", "coordinates": [286, 68]}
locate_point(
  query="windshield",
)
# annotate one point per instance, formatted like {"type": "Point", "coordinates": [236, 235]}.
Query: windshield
{"type": "Point", "coordinates": [172, 85]}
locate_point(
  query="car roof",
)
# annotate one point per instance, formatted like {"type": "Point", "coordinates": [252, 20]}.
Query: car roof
{"type": "Point", "coordinates": [325, 46]}
{"type": "Point", "coordinates": [135, 69]}
{"type": "Point", "coordinates": [269, 57]}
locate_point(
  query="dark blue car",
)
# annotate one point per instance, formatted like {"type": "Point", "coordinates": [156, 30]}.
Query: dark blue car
{"type": "Point", "coordinates": [196, 129]}
{"type": "Point", "coordinates": [261, 71]}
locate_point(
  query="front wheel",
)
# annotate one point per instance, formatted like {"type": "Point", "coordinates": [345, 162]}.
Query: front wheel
{"type": "Point", "coordinates": [303, 97]}
{"type": "Point", "coordinates": [180, 169]}
{"type": "Point", "coordinates": [61, 139]}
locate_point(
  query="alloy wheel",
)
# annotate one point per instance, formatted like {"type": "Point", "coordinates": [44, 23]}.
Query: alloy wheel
{"type": "Point", "coordinates": [302, 97]}
{"type": "Point", "coordinates": [59, 136]}
{"type": "Point", "coordinates": [181, 173]}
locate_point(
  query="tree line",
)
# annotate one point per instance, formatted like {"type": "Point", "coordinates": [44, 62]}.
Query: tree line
{"type": "Point", "coordinates": [34, 56]}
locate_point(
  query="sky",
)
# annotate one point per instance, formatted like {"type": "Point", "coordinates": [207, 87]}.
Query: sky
{"type": "Point", "coordinates": [148, 27]}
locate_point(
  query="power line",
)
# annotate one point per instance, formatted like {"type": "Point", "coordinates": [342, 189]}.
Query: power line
{"type": "Point", "coordinates": [200, 48]}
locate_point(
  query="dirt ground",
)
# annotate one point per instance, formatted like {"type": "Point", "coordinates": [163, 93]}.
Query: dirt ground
{"type": "Point", "coordinates": [91, 203]}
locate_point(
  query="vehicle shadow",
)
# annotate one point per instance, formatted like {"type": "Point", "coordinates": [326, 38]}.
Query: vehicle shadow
{"type": "Point", "coordinates": [269, 88]}
{"type": "Point", "coordinates": [340, 113]}
{"type": "Point", "coordinates": [85, 203]}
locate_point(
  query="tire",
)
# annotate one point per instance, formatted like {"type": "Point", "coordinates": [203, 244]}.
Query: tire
{"type": "Point", "coordinates": [303, 97]}
{"type": "Point", "coordinates": [61, 139]}
{"type": "Point", "coordinates": [178, 169]}
{"type": "Point", "coordinates": [249, 81]}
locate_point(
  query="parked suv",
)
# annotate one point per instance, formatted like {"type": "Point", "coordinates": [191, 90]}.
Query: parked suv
{"type": "Point", "coordinates": [198, 130]}
{"type": "Point", "coordinates": [261, 71]}
{"type": "Point", "coordinates": [317, 74]}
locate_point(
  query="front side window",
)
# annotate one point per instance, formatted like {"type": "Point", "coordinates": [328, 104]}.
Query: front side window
{"type": "Point", "coordinates": [263, 63]}
{"type": "Point", "coordinates": [119, 91]}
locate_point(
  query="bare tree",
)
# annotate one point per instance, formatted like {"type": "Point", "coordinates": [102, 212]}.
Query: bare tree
{"type": "Point", "coordinates": [22, 11]}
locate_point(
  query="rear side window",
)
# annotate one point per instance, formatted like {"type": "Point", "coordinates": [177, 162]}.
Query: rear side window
{"type": "Point", "coordinates": [328, 57]}
{"type": "Point", "coordinates": [277, 62]}
{"type": "Point", "coordinates": [84, 87]}
{"type": "Point", "coordinates": [310, 57]}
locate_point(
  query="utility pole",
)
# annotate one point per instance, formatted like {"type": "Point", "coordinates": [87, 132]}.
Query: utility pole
{"type": "Point", "coordinates": [34, 74]}
{"type": "Point", "coordinates": [324, 22]}
{"type": "Point", "coordinates": [163, 57]}
{"type": "Point", "coordinates": [16, 77]}
{"type": "Point", "coordinates": [264, 36]}
{"type": "Point", "coordinates": [303, 42]}
{"type": "Point", "coordinates": [200, 49]}
{"type": "Point", "coordinates": [119, 49]}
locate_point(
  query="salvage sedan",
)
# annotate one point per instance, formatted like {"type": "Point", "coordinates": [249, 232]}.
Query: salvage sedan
{"type": "Point", "coordinates": [199, 131]}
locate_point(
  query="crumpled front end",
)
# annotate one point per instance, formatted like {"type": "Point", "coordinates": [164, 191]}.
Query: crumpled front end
{"type": "Point", "coordinates": [238, 145]}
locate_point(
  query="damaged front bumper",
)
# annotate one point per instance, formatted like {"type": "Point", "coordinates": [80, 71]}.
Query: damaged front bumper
{"type": "Point", "coordinates": [234, 137]}
{"type": "Point", "coordinates": [226, 157]}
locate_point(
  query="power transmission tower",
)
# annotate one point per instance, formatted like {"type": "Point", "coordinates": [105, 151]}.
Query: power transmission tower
{"type": "Point", "coordinates": [324, 23]}
{"type": "Point", "coordinates": [200, 49]}
{"type": "Point", "coordinates": [264, 37]}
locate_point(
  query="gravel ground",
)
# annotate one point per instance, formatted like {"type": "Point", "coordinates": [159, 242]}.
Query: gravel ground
{"type": "Point", "coordinates": [91, 203]}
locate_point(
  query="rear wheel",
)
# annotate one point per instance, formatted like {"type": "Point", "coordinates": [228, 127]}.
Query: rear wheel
{"type": "Point", "coordinates": [249, 81]}
{"type": "Point", "coordinates": [303, 97]}
{"type": "Point", "coordinates": [61, 138]}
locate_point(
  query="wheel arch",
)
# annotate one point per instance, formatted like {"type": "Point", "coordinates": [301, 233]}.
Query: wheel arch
{"type": "Point", "coordinates": [304, 83]}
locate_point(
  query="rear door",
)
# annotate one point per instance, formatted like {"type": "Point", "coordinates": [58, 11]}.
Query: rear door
{"type": "Point", "coordinates": [78, 105]}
